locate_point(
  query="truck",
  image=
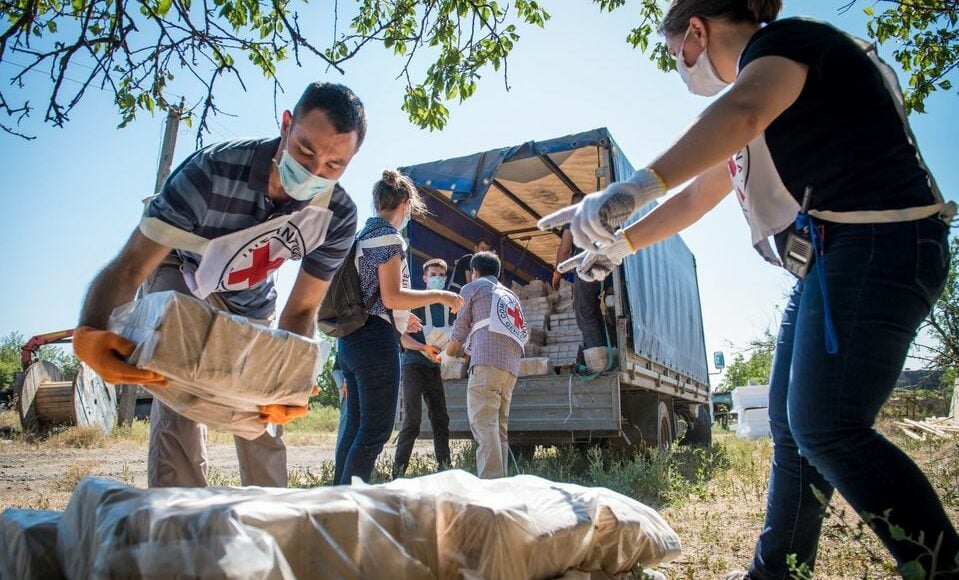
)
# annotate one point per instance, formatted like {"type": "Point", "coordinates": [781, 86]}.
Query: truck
{"type": "Point", "coordinates": [658, 392]}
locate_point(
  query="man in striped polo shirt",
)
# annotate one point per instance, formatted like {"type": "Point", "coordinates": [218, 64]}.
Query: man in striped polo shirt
{"type": "Point", "coordinates": [223, 223]}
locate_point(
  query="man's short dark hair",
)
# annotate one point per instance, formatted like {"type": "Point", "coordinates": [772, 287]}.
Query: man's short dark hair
{"type": "Point", "coordinates": [483, 241]}
{"type": "Point", "coordinates": [341, 105]}
{"type": "Point", "coordinates": [485, 263]}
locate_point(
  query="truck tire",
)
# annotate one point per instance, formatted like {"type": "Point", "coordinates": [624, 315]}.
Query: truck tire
{"type": "Point", "coordinates": [647, 419]}
{"type": "Point", "coordinates": [664, 427]}
{"type": "Point", "coordinates": [700, 432]}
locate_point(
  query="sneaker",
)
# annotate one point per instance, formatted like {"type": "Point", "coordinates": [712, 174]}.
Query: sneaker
{"type": "Point", "coordinates": [650, 574]}
{"type": "Point", "coordinates": [736, 575]}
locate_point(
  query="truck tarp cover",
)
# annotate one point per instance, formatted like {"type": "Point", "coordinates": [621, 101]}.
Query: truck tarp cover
{"type": "Point", "coordinates": [504, 192]}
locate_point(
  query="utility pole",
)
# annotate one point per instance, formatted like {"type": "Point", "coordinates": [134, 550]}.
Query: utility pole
{"type": "Point", "coordinates": [127, 395]}
{"type": "Point", "coordinates": [173, 117]}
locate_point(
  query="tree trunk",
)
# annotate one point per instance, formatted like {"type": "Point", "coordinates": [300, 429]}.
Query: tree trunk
{"type": "Point", "coordinates": [126, 403]}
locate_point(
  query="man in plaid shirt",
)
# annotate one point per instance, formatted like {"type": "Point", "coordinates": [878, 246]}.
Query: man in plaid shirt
{"type": "Point", "coordinates": [495, 355]}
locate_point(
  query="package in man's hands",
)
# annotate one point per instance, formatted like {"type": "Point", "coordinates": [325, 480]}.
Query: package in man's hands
{"type": "Point", "coordinates": [438, 338]}
{"type": "Point", "coordinates": [220, 366]}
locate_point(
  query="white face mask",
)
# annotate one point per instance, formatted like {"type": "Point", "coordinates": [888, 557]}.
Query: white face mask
{"type": "Point", "coordinates": [298, 182]}
{"type": "Point", "coordinates": [701, 78]}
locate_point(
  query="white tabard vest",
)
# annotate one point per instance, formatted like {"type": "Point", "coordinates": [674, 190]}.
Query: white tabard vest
{"type": "Point", "coordinates": [401, 318]}
{"type": "Point", "coordinates": [245, 258]}
{"type": "Point", "coordinates": [768, 206]}
{"type": "Point", "coordinates": [505, 317]}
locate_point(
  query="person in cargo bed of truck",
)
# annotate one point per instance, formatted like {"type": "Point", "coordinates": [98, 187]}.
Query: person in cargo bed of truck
{"type": "Point", "coordinates": [222, 224]}
{"type": "Point", "coordinates": [492, 331]}
{"type": "Point", "coordinates": [586, 301]}
{"type": "Point", "coordinates": [813, 137]}
{"type": "Point", "coordinates": [461, 266]}
{"type": "Point", "coordinates": [370, 356]}
{"type": "Point", "coordinates": [421, 378]}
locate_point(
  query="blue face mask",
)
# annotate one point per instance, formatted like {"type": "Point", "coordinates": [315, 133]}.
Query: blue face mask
{"type": "Point", "coordinates": [298, 182]}
{"type": "Point", "coordinates": [406, 222]}
{"type": "Point", "coordinates": [436, 282]}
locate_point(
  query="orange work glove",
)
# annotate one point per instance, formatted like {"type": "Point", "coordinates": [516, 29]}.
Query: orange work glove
{"type": "Point", "coordinates": [102, 350]}
{"type": "Point", "coordinates": [557, 277]}
{"type": "Point", "coordinates": [282, 414]}
{"type": "Point", "coordinates": [432, 353]}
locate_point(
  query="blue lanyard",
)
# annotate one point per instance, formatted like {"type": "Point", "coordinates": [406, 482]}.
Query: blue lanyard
{"type": "Point", "coordinates": [803, 221]}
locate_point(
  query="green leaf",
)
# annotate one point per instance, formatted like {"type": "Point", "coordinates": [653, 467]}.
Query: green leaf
{"type": "Point", "coordinates": [897, 532]}
{"type": "Point", "coordinates": [913, 571]}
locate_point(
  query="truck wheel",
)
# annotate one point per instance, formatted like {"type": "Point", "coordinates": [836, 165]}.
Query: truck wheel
{"type": "Point", "coordinates": [700, 432]}
{"type": "Point", "coordinates": [664, 427]}
{"type": "Point", "coordinates": [648, 419]}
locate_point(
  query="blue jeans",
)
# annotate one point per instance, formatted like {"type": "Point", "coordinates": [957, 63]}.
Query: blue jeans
{"type": "Point", "coordinates": [370, 360]}
{"type": "Point", "coordinates": [882, 280]}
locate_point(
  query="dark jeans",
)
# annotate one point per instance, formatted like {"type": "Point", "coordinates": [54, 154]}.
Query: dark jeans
{"type": "Point", "coordinates": [589, 317]}
{"type": "Point", "coordinates": [422, 382]}
{"type": "Point", "coordinates": [370, 360]}
{"type": "Point", "coordinates": [882, 280]}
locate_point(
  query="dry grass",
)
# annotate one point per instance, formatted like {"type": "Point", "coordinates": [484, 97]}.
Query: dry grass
{"type": "Point", "coordinates": [72, 476]}
{"type": "Point", "coordinates": [715, 499]}
{"type": "Point", "coordinates": [720, 521]}
{"type": "Point", "coordinates": [79, 438]}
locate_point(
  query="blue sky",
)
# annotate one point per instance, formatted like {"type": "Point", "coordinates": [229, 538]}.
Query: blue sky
{"type": "Point", "coordinates": [72, 196]}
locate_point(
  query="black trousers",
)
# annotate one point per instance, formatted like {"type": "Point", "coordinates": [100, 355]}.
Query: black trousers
{"type": "Point", "coordinates": [421, 382]}
{"type": "Point", "coordinates": [589, 317]}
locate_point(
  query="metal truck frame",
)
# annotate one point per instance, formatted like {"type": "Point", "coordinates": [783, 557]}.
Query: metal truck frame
{"type": "Point", "coordinates": [658, 392]}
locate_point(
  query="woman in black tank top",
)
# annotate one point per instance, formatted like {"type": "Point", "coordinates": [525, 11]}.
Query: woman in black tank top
{"type": "Point", "coordinates": [811, 120]}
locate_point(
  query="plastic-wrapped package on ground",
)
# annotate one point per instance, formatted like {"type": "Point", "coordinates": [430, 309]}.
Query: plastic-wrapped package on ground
{"type": "Point", "coordinates": [529, 527]}
{"type": "Point", "coordinates": [447, 525]}
{"type": "Point", "coordinates": [219, 366]}
{"type": "Point", "coordinates": [751, 407]}
{"type": "Point", "coordinates": [753, 424]}
{"type": "Point", "coordinates": [28, 540]}
{"type": "Point", "coordinates": [110, 530]}
{"type": "Point", "coordinates": [750, 397]}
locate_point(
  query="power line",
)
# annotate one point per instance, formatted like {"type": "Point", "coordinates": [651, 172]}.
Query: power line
{"type": "Point", "coordinates": [81, 83]}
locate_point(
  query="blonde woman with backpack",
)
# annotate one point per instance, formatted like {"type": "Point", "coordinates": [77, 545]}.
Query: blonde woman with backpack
{"type": "Point", "coordinates": [370, 356]}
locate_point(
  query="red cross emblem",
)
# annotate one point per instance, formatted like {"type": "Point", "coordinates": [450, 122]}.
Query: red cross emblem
{"type": "Point", "coordinates": [517, 315]}
{"type": "Point", "coordinates": [260, 268]}
{"type": "Point", "coordinates": [733, 170]}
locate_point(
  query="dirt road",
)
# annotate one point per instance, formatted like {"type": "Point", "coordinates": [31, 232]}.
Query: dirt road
{"type": "Point", "coordinates": [42, 477]}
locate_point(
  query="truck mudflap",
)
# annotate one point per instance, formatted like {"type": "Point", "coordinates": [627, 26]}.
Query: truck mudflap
{"type": "Point", "coordinates": [544, 408]}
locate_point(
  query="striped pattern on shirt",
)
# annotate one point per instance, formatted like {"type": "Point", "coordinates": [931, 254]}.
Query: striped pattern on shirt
{"type": "Point", "coordinates": [222, 189]}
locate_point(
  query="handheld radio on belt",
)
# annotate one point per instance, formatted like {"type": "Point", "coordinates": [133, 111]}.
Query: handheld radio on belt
{"type": "Point", "coordinates": [798, 252]}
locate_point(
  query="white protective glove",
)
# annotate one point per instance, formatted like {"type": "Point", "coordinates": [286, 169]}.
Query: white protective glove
{"type": "Point", "coordinates": [594, 221]}
{"type": "Point", "coordinates": [595, 266]}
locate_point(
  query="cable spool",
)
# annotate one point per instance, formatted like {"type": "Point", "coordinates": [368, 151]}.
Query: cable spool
{"type": "Point", "coordinates": [45, 399]}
